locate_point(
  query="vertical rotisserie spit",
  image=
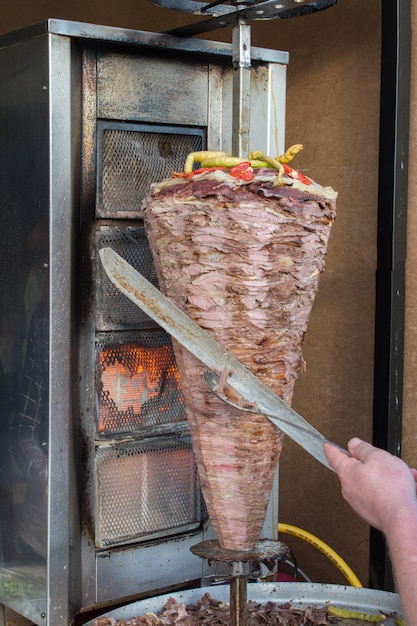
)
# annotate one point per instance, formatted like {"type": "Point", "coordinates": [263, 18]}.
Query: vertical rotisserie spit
{"type": "Point", "coordinates": [240, 250]}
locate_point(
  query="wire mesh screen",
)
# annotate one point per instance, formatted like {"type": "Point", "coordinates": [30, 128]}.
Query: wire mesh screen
{"type": "Point", "coordinates": [148, 486]}
{"type": "Point", "coordinates": [131, 157]}
{"type": "Point", "coordinates": [147, 489]}
{"type": "Point", "coordinates": [114, 311]}
{"type": "Point", "coordinates": [137, 381]}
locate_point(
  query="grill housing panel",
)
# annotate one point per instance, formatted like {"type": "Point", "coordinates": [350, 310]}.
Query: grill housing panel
{"type": "Point", "coordinates": [147, 489]}
{"type": "Point", "coordinates": [113, 310]}
{"type": "Point", "coordinates": [131, 157]}
{"type": "Point", "coordinates": [137, 382]}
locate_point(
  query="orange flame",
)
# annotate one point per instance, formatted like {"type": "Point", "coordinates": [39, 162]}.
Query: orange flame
{"type": "Point", "coordinates": [131, 375]}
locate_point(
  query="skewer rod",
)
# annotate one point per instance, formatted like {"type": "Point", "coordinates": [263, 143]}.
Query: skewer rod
{"type": "Point", "coordinates": [238, 600]}
{"type": "Point", "coordinates": [241, 58]}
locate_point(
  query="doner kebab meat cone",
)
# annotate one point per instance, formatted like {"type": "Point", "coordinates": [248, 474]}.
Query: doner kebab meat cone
{"type": "Point", "coordinates": [239, 247]}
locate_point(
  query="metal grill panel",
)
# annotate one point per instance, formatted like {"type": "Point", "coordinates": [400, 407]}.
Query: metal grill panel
{"type": "Point", "coordinates": [137, 382]}
{"type": "Point", "coordinates": [131, 157]}
{"type": "Point", "coordinates": [113, 310]}
{"type": "Point", "coordinates": [147, 489]}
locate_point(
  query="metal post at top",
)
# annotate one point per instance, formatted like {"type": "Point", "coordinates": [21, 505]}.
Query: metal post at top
{"type": "Point", "coordinates": [236, 14]}
{"type": "Point", "coordinates": [241, 63]}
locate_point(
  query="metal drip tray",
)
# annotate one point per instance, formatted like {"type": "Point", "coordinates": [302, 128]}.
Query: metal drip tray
{"type": "Point", "coordinates": [300, 595]}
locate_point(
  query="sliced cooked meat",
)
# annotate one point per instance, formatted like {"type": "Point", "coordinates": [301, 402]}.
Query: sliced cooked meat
{"type": "Point", "coordinates": [243, 260]}
{"type": "Point", "coordinates": [211, 612]}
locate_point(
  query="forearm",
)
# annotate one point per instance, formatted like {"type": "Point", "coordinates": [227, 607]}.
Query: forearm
{"type": "Point", "coordinates": [401, 539]}
{"type": "Point", "coordinates": [381, 488]}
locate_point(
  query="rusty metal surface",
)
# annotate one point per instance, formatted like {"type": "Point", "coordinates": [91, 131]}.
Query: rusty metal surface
{"type": "Point", "coordinates": [129, 87]}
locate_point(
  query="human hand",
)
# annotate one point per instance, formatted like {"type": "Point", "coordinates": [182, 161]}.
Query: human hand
{"type": "Point", "coordinates": [376, 484]}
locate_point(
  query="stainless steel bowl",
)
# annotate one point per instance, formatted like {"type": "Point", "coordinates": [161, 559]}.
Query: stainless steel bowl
{"type": "Point", "coordinates": [300, 595]}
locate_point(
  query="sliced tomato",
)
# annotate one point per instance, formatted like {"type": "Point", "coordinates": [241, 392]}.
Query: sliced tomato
{"type": "Point", "coordinates": [243, 171]}
{"type": "Point", "coordinates": [203, 170]}
{"type": "Point", "coordinates": [290, 171]}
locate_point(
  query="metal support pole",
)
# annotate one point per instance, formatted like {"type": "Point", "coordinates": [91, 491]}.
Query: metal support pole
{"type": "Point", "coordinates": [392, 238]}
{"type": "Point", "coordinates": [241, 59]}
{"type": "Point", "coordinates": [239, 593]}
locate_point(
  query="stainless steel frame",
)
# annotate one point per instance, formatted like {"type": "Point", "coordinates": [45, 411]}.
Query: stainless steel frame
{"type": "Point", "coordinates": [58, 79]}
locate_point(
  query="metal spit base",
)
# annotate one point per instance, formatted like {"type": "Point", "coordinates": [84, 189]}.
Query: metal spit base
{"type": "Point", "coordinates": [240, 566]}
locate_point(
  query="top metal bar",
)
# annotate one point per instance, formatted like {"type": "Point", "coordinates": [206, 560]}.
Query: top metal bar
{"type": "Point", "coordinates": [157, 41]}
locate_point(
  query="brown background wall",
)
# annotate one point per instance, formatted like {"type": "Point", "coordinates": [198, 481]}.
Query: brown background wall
{"type": "Point", "coordinates": [333, 109]}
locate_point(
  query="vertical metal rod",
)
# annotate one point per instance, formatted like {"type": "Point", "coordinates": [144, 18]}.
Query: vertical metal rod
{"type": "Point", "coordinates": [392, 250]}
{"type": "Point", "coordinates": [238, 600]}
{"type": "Point", "coordinates": [241, 59]}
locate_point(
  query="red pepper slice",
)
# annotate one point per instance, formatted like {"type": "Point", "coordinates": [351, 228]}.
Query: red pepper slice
{"type": "Point", "coordinates": [203, 170]}
{"type": "Point", "coordinates": [243, 171]}
{"type": "Point", "coordinates": [200, 170]}
{"type": "Point", "coordinates": [290, 171]}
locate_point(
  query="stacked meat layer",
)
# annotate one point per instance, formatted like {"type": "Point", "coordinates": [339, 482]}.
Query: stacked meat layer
{"type": "Point", "coordinates": [242, 259]}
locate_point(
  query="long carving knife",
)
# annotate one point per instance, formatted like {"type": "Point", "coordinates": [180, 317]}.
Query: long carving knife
{"type": "Point", "coordinates": [187, 332]}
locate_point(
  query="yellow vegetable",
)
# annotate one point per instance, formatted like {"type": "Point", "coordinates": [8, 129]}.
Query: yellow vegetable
{"type": "Point", "coordinates": [400, 622]}
{"type": "Point", "coordinates": [211, 158]}
{"type": "Point", "coordinates": [230, 161]}
{"type": "Point", "coordinates": [365, 617]}
{"type": "Point", "coordinates": [277, 165]}
{"type": "Point", "coordinates": [270, 162]}
{"type": "Point", "coordinates": [199, 157]}
{"type": "Point", "coordinates": [221, 160]}
{"type": "Point", "coordinates": [290, 153]}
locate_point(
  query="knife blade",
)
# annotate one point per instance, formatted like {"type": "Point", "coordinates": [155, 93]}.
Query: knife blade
{"type": "Point", "coordinates": [187, 332]}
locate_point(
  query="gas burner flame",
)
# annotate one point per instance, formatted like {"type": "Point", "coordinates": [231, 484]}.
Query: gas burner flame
{"type": "Point", "coordinates": [136, 384]}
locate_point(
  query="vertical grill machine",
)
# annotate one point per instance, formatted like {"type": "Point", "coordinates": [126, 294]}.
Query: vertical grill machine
{"type": "Point", "coordinates": [99, 495]}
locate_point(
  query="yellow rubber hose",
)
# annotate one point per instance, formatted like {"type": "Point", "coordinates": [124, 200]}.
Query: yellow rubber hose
{"type": "Point", "coordinates": [323, 547]}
